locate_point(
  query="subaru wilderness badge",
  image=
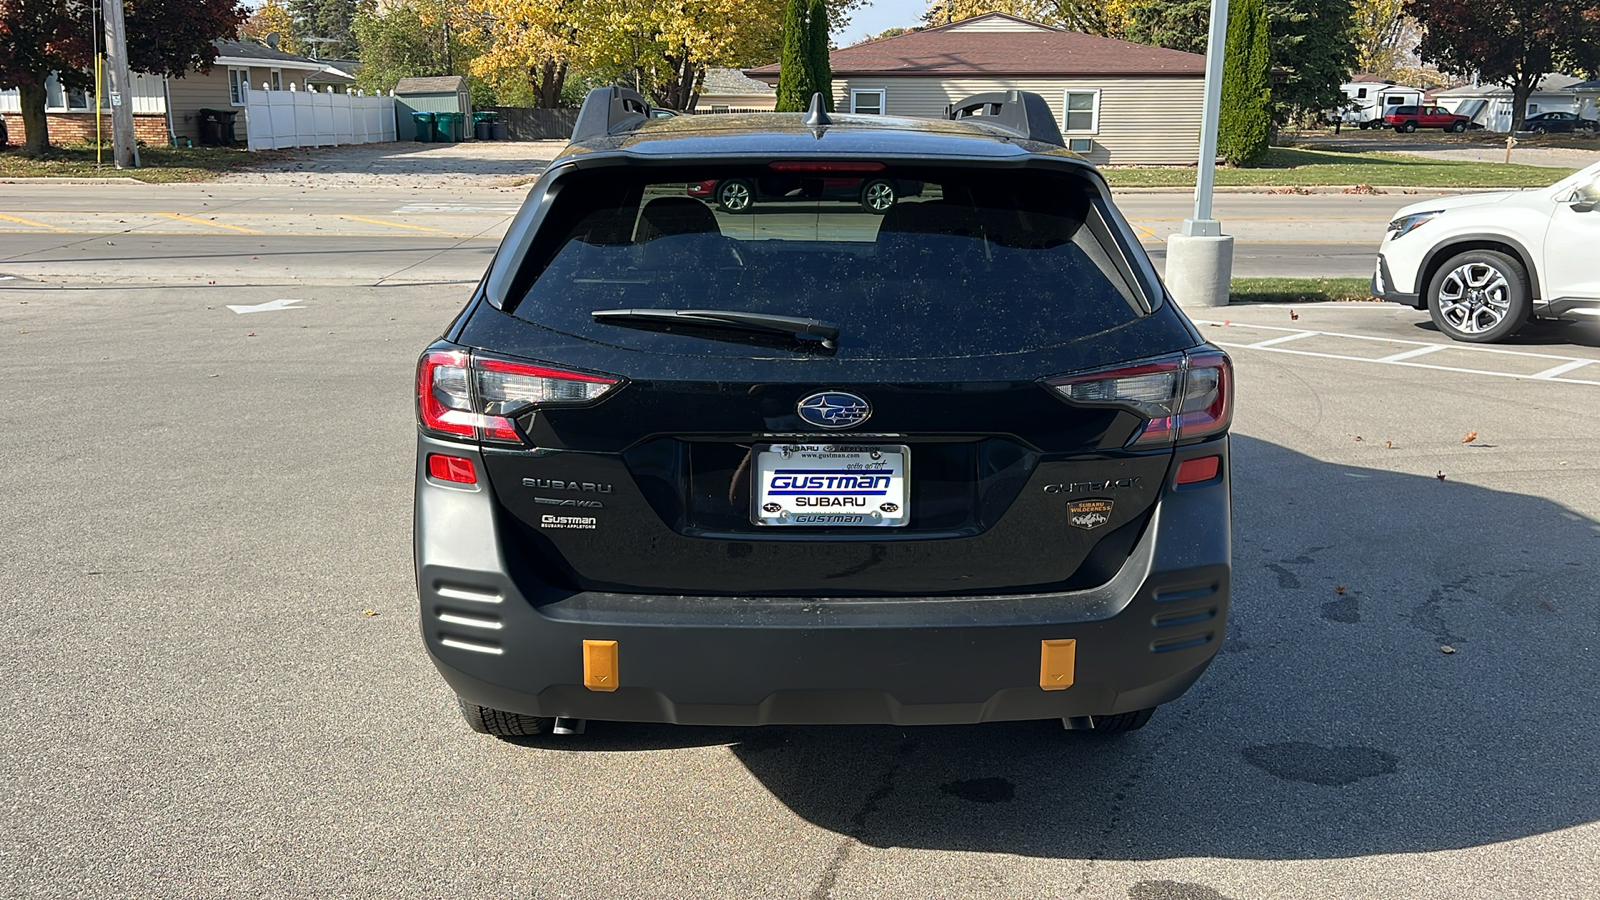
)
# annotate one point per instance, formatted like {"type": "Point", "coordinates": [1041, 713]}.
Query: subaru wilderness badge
{"type": "Point", "coordinates": [834, 409]}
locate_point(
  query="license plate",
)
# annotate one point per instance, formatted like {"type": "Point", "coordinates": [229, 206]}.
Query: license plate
{"type": "Point", "coordinates": [831, 484]}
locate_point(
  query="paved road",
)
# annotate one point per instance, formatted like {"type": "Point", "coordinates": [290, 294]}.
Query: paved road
{"type": "Point", "coordinates": [215, 688]}
{"type": "Point", "coordinates": [57, 231]}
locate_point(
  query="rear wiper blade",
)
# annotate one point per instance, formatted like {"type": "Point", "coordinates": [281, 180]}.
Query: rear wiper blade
{"type": "Point", "coordinates": [811, 329]}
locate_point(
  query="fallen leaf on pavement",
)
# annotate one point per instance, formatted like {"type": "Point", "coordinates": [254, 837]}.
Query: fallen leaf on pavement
{"type": "Point", "coordinates": [1338, 589]}
{"type": "Point", "coordinates": [1440, 476]}
{"type": "Point", "coordinates": [1293, 316]}
{"type": "Point", "coordinates": [1471, 436]}
{"type": "Point", "coordinates": [251, 334]}
{"type": "Point", "coordinates": [368, 612]}
{"type": "Point", "coordinates": [1446, 649]}
{"type": "Point", "coordinates": [1360, 438]}
{"type": "Point", "coordinates": [1388, 445]}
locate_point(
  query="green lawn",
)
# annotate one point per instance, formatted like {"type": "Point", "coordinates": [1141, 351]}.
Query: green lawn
{"type": "Point", "coordinates": [1292, 167]}
{"type": "Point", "coordinates": [159, 164]}
{"type": "Point", "coordinates": [1298, 290]}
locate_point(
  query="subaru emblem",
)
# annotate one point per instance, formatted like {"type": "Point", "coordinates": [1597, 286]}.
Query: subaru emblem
{"type": "Point", "coordinates": [834, 409]}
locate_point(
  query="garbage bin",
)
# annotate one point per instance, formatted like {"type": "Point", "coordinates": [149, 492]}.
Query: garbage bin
{"type": "Point", "coordinates": [497, 130]}
{"type": "Point", "coordinates": [423, 123]}
{"type": "Point", "coordinates": [211, 128]}
{"type": "Point", "coordinates": [448, 126]}
{"type": "Point", "coordinates": [480, 125]}
{"type": "Point", "coordinates": [228, 117]}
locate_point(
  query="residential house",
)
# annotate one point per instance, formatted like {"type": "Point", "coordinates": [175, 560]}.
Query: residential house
{"type": "Point", "coordinates": [167, 110]}
{"type": "Point", "coordinates": [1117, 102]}
{"type": "Point", "coordinates": [727, 90]}
{"type": "Point", "coordinates": [1490, 104]}
{"type": "Point", "coordinates": [1587, 95]}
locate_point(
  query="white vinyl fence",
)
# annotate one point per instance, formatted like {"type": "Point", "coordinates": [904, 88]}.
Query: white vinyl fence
{"type": "Point", "coordinates": [311, 119]}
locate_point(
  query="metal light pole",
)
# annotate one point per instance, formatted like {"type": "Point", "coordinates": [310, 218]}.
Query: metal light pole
{"type": "Point", "coordinates": [1200, 256]}
{"type": "Point", "coordinates": [126, 153]}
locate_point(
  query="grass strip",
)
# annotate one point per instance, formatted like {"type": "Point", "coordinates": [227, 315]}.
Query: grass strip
{"type": "Point", "coordinates": [1299, 290]}
{"type": "Point", "coordinates": [1292, 167]}
{"type": "Point", "coordinates": [157, 164]}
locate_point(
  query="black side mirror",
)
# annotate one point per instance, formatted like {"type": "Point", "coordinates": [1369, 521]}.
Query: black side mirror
{"type": "Point", "coordinates": [1583, 206]}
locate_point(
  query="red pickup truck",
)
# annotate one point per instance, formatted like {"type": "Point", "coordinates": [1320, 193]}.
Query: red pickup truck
{"type": "Point", "coordinates": [1410, 118]}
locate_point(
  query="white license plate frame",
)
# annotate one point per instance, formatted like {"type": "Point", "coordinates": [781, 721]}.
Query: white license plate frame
{"type": "Point", "coordinates": [846, 486]}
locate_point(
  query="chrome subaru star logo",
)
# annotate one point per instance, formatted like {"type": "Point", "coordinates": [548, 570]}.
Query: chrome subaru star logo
{"type": "Point", "coordinates": [834, 409]}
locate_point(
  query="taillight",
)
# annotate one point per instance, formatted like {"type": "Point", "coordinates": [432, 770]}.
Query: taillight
{"type": "Point", "coordinates": [1183, 398]}
{"type": "Point", "coordinates": [465, 395]}
{"type": "Point", "coordinates": [839, 166]}
{"type": "Point", "coordinates": [458, 469]}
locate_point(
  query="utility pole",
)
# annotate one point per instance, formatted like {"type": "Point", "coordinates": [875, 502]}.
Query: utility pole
{"type": "Point", "coordinates": [126, 151]}
{"type": "Point", "coordinates": [1200, 256]}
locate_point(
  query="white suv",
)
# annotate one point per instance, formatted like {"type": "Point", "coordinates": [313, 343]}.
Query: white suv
{"type": "Point", "coordinates": [1484, 264]}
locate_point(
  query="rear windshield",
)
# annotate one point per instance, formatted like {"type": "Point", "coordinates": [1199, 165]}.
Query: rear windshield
{"type": "Point", "coordinates": [906, 263]}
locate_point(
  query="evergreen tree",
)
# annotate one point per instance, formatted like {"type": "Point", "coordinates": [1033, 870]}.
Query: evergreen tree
{"type": "Point", "coordinates": [821, 69]}
{"type": "Point", "coordinates": [1313, 45]}
{"type": "Point", "coordinates": [1246, 117]}
{"type": "Point", "coordinates": [795, 84]}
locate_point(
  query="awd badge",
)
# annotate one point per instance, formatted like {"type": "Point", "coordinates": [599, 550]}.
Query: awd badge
{"type": "Point", "coordinates": [1089, 514]}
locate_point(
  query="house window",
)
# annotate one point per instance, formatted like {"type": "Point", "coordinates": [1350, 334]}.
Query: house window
{"type": "Point", "coordinates": [1083, 112]}
{"type": "Point", "coordinates": [277, 78]}
{"type": "Point", "coordinates": [57, 99]}
{"type": "Point", "coordinates": [1533, 109]}
{"type": "Point", "coordinates": [1361, 93]}
{"type": "Point", "coordinates": [238, 84]}
{"type": "Point", "coordinates": [866, 103]}
{"type": "Point", "coordinates": [1080, 145]}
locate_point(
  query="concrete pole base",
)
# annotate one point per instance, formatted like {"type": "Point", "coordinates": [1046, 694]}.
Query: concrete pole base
{"type": "Point", "coordinates": [1199, 269]}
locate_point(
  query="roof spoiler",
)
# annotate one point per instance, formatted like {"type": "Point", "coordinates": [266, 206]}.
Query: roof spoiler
{"type": "Point", "coordinates": [1023, 112]}
{"type": "Point", "coordinates": [607, 110]}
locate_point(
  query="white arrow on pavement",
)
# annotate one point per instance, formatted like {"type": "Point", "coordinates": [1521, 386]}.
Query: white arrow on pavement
{"type": "Point", "coordinates": [269, 306]}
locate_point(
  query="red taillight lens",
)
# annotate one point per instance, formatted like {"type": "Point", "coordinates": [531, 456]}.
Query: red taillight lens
{"type": "Point", "coordinates": [470, 396]}
{"type": "Point", "coordinates": [1183, 398]}
{"type": "Point", "coordinates": [444, 403]}
{"type": "Point", "coordinates": [458, 469]}
{"type": "Point", "coordinates": [1193, 471]}
{"type": "Point", "coordinates": [841, 166]}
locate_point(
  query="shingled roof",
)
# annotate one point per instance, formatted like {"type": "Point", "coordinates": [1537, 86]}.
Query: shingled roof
{"type": "Point", "coordinates": [961, 50]}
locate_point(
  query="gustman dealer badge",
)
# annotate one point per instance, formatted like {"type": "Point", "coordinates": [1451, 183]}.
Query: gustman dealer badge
{"type": "Point", "coordinates": [1089, 514]}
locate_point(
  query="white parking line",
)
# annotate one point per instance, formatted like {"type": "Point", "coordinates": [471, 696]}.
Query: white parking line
{"type": "Point", "coordinates": [1273, 342]}
{"type": "Point", "coordinates": [1407, 358]}
{"type": "Point", "coordinates": [1563, 368]}
{"type": "Point", "coordinates": [1420, 351]}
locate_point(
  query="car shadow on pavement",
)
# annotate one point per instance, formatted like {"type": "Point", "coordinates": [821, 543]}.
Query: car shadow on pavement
{"type": "Point", "coordinates": [1410, 667]}
{"type": "Point", "coordinates": [1541, 333]}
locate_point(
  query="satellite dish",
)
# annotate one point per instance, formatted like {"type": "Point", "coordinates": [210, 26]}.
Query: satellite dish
{"type": "Point", "coordinates": [272, 40]}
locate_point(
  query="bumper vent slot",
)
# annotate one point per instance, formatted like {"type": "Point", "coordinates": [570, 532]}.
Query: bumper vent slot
{"type": "Point", "coordinates": [476, 646]}
{"type": "Point", "coordinates": [1185, 594]}
{"type": "Point", "coordinates": [487, 623]}
{"type": "Point", "coordinates": [471, 595]}
{"type": "Point", "coordinates": [1195, 617]}
{"type": "Point", "coordinates": [1183, 643]}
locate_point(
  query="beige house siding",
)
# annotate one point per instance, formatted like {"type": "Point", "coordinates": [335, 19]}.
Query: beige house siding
{"type": "Point", "coordinates": [735, 101]}
{"type": "Point", "coordinates": [997, 23]}
{"type": "Point", "coordinates": [1153, 120]}
{"type": "Point", "coordinates": [194, 92]}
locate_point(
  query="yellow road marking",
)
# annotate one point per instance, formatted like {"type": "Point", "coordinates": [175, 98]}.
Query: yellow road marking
{"type": "Point", "coordinates": [208, 222]}
{"type": "Point", "coordinates": [29, 222]}
{"type": "Point", "coordinates": [382, 222]}
{"type": "Point", "coordinates": [1145, 232]}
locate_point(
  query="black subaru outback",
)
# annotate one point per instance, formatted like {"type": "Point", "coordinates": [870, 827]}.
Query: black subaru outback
{"type": "Point", "coordinates": [957, 460]}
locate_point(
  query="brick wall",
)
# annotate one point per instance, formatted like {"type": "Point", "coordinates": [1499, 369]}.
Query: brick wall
{"type": "Point", "coordinates": [71, 128]}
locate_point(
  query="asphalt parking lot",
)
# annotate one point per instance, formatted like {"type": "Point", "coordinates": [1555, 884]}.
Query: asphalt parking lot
{"type": "Point", "coordinates": [215, 685]}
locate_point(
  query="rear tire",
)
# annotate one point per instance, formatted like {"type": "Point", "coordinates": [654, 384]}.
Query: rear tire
{"type": "Point", "coordinates": [1409, 127]}
{"type": "Point", "coordinates": [1480, 297]}
{"type": "Point", "coordinates": [484, 720]}
{"type": "Point", "coordinates": [736, 195]}
{"type": "Point", "coordinates": [1537, 130]}
{"type": "Point", "coordinates": [1459, 127]}
{"type": "Point", "coordinates": [878, 195]}
{"type": "Point", "coordinates": [1122, 723]}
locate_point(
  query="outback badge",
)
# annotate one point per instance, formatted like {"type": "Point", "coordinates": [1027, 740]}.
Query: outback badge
{"type": "Point", "coordinates": [1089, 514]}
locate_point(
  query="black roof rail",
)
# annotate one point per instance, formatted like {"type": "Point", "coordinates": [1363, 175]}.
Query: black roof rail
{"type": "Point", "coordinates": [1023, 112]}
{"type": "Point", "coordinates": [607, 110]}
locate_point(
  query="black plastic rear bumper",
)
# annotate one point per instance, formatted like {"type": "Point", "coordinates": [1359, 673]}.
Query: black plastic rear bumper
{"type": "Point", "coordinates": [1142, 639]}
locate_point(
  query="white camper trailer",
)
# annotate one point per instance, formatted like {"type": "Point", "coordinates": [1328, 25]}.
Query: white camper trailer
{"type": "Point", "coordinates": [1366, 102]}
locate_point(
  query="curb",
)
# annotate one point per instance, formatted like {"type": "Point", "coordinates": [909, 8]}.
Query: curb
{"type": "Point", "coordinates": [67, 179]}
{"type": "Point", "coordinates": [1292, 189]}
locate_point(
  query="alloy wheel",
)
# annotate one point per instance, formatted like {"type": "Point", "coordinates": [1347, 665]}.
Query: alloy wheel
{"type": "Point", "coordinates": [735, 196]}
{"type": "Point", "coordinates": [1474, 298]}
